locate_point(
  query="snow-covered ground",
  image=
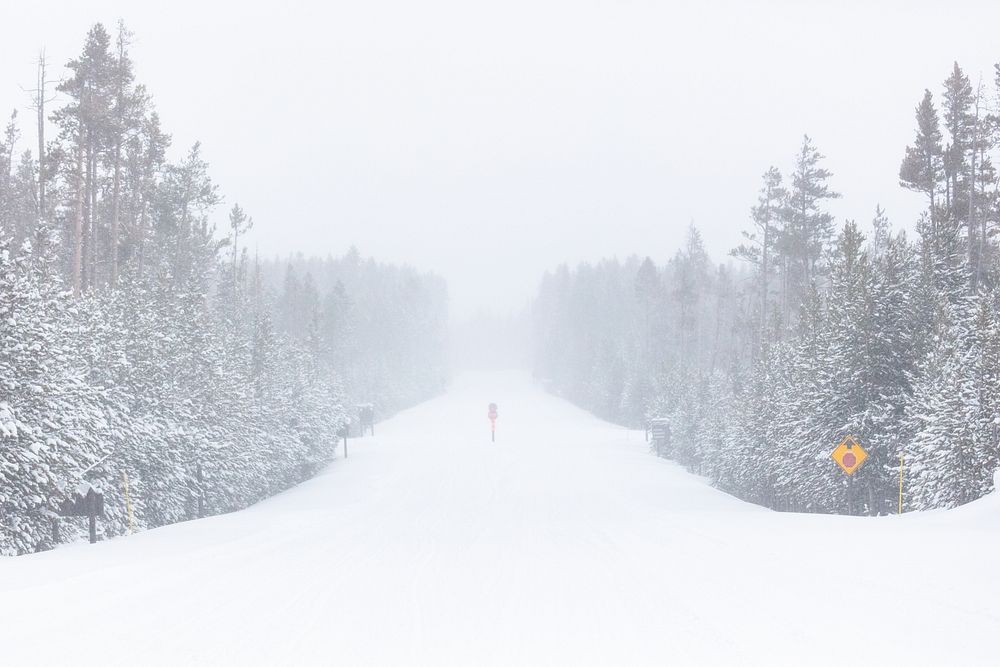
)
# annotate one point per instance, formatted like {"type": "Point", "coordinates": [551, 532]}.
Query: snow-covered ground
{"type": "Point", "coordinates": [565, 543]}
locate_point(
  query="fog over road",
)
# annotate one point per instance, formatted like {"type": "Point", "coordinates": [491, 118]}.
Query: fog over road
{"type": "Point", "coordinates": [565, 542]}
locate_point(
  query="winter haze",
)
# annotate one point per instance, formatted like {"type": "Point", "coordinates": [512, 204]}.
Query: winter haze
{"type": "Point", "coordinates": [490, 142]}
{"type": "Point", "coordinates": [549, 333]}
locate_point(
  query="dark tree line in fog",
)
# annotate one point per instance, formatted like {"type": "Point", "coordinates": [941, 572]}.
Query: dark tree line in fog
{"type": "Point", "coordinates": [821, 329]}
{"type": "Point", "coordinates": [138, 340]}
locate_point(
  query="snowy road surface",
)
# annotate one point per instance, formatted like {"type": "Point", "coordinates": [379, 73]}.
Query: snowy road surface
{"type": "Point", "coordinates": [565, 543]}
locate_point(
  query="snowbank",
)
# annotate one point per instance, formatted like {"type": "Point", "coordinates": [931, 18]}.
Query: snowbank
{"type": "Point", "coordinates": [565, 542]}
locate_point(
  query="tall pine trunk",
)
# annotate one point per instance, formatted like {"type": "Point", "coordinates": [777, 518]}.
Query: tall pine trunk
{"type": "Point", "coordinates": [40, 108]}
{"type": "Point", "coordinates": [78, 218]}
{"type": "Point", "coordinates": [115, 212]}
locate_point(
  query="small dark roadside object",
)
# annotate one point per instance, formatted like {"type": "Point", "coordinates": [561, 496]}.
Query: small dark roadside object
{"type": "Point", "coordinates": [85, 501]}
{"type": "Point", "coordinates": [659, 431]}
{"type": "Point", "coordinates": [367, 416]}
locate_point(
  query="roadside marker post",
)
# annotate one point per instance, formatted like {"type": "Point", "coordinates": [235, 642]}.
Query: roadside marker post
{"type": "Point", "coordinates": [492, 414]}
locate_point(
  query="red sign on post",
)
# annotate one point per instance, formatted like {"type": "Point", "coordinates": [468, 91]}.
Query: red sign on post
{"type": "Point", "coordinates": [492, 414]}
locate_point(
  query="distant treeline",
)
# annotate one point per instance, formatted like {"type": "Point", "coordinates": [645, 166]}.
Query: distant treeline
{"type": "Point", "coordinates": [382, 328]}
{"type": "Point", "coordinates": [822, 330]}
{"type": "Point", "coordinates": [138, 340]}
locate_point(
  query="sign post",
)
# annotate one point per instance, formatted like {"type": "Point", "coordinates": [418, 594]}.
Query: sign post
{"type": "Point", "coordinates": [86, 501]}
{"type": "Point", "coordinates": [493, 422]}
{"type": "Point", "coordinates": [849, 455]}
{"type": "Point", "coordinates": [659, 431]}
{"type": "Point", "coordinates": [344, 431]}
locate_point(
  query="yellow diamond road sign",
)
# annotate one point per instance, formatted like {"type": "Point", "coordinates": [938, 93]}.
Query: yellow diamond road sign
{"type": "Point", "coordinates": [849, 455]}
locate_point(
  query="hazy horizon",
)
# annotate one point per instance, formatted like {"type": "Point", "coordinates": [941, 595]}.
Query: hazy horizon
{"type": "Point", "coordinates": [490, 144]}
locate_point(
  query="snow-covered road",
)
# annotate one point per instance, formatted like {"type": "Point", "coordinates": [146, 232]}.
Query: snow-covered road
{"type": "Point", "coordinates": [564, 543]}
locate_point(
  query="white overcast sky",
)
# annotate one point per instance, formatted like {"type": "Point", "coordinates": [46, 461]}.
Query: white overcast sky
{"type": "Point", "coordinates": [491, 141]}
